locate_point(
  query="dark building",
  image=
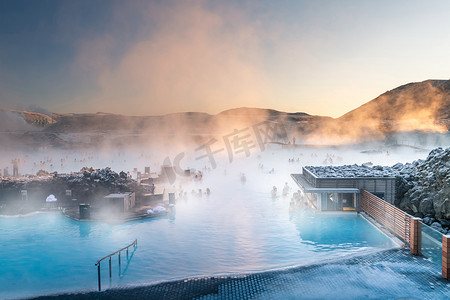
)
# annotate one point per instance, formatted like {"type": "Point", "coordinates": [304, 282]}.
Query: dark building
{"type": "Point", "coordinates": [328, 190]}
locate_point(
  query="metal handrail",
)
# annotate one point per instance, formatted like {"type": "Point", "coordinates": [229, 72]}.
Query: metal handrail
{"type": "Point", "coordinates": [134, 243]}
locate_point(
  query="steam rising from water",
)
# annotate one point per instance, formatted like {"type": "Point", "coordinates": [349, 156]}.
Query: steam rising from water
{"type": "Point", "coordinates": [10, 121]}
{"type": "Point", "coordinates": [423, 106]}
{"type": "Point", "coordinates": [188, 57]}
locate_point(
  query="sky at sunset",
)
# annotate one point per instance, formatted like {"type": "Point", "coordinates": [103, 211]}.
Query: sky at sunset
{"type": "Point", "coordinates": [158, 57]}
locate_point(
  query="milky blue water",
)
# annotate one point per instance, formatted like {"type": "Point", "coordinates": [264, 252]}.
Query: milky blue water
{"type": "Point", "coordinates": [239, 228]}
{"type": "Point", "coordinates": [431, 246]}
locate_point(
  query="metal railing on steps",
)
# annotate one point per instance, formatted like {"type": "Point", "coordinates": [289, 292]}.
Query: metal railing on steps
{"type": "Point", "coordinates": [133, 244]}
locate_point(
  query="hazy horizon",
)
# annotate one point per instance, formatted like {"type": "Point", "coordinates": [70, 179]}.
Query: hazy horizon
{"type": "Point", "coordinates": [38, 108]}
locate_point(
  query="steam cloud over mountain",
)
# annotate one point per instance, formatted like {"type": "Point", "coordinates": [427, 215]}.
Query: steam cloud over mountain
{"type": "Point", "coordinates": [414, 107]}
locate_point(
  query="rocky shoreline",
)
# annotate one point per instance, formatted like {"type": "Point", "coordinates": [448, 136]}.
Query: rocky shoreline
{"type": "Point", "coordinates": [422, 187]}
{"type": "Point", "coordinates": [423, 190]}
{"type": "Point", "coordinates": [84, 186]}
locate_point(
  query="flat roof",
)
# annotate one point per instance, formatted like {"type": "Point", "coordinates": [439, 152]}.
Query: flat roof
{"type": "Point", "coordinates": [308, 188]}
{"type": "Point", "coordinates": [352, 172]}
{"type": "Point", "coordinates": [118, 195]}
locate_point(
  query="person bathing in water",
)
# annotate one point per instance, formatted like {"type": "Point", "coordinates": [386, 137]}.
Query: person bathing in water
{"type": "Point", "coordinates": [286, 189]}
{"type": "Point", "coordinates": [274, 192]}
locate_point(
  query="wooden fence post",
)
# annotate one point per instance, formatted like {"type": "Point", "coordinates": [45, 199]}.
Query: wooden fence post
{"type": "Point", "coordinates": [416, 236]}
{"type": "Point", "coordinates": [446, 256]}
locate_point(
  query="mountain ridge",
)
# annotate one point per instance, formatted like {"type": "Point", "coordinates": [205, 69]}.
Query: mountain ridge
{"type": "Point", "coordinates": [429, 91]}
{"type": "Point", "coordinates": [418, 106]}
{"type": "Point", "coordinates": [429, 99]}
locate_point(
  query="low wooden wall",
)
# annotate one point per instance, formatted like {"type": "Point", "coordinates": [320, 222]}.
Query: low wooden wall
{"type": "Point", "coordinates": [405, 226]}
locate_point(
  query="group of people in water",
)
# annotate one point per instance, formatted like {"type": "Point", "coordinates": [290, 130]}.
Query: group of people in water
{"type": "Point", "coordinates": [59, 162]}
{"type": "Point", "coordinates": [15, 162]}
{"type": "Point", "coordinates": [284, 193]}
{"type": "Point", "coordinates": [199, 193]}
{"type": "Point", "coordinates": [194, 193]}
{"type": "Point", "coordinates": [298, 199]}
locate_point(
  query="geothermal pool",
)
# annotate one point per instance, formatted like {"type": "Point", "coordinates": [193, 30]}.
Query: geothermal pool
{"type": "Point", "coordinates": [239, 228]}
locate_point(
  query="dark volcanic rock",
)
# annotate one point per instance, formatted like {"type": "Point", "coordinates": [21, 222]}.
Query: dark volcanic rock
{"type": "Point", "coordinates": [86, 186]}
{"type": "Point", "coordinates": [422, 187]}
{"type": "Point", "coordinates": [428, 184]}
{"type": "Point", "coordinates": [426, 206]}
{"type": "Point", "coordinates": [352, 171]}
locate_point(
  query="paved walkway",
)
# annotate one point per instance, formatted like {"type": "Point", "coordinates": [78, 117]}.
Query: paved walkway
{"type": "Point", "coordinates": [388, 274]}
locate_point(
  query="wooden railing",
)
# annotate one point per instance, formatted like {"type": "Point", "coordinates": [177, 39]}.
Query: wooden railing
{"type": "Point", "coordinates": [396, 220]}
{"type": "Point", "coordinates": [405, 226]}
{"type": "Point", "coordinates": [134, 244]}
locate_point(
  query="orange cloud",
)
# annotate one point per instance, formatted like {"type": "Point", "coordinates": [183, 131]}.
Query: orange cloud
{"type": "Point", "coordinates": [191, 59]}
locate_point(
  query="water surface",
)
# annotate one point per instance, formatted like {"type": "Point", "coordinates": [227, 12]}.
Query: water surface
{"type": "Point", "coordinates": [239, 228]}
